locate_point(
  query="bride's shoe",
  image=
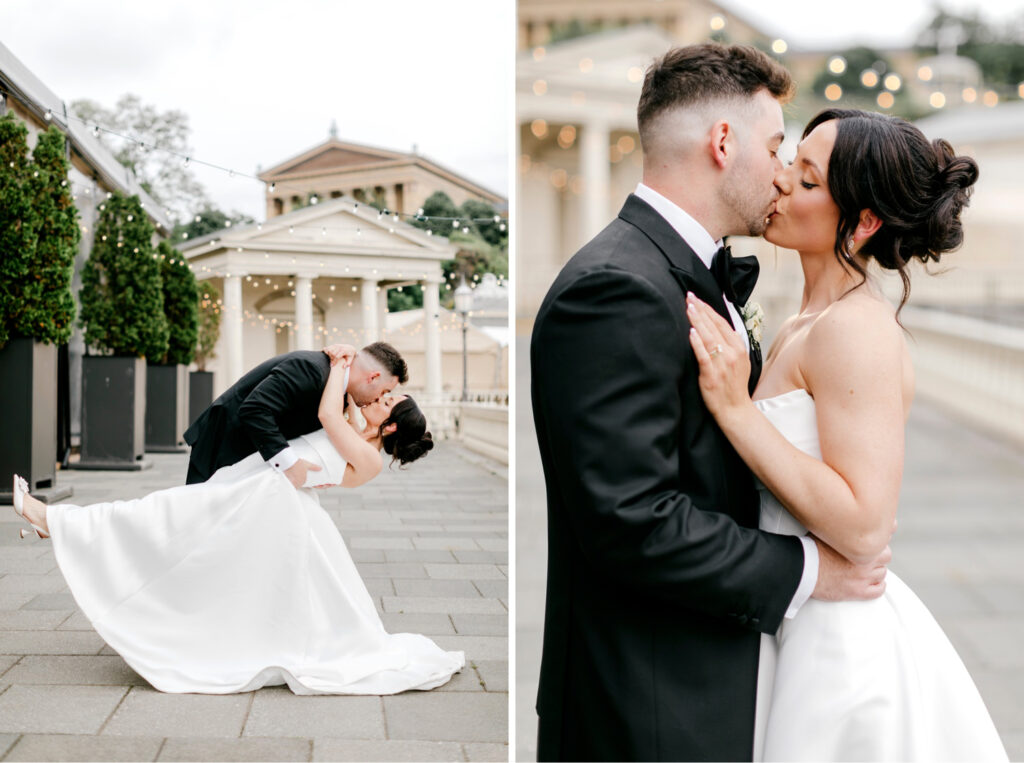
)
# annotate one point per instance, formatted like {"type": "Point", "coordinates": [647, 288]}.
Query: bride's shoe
{"type": "Point", "coordinates": [20, 491]}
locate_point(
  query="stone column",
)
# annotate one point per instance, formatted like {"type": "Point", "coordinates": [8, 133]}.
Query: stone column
{"type": "Point", "coordinates": [369, 302]}
{"type": "Point", "coordinates": [596, 173]}
{"type": "Point", "coordinates": [304, 312]}
{"type": "Point", "coordinates": [432, 338]}
{"type": "Point", "coordinates": [232, 331]}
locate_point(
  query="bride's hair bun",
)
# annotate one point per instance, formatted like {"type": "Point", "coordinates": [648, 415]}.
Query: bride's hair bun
{"type": "Point", "coordinates": [410, 440]}
{"type": "Point", "coordinates": [916, 187]}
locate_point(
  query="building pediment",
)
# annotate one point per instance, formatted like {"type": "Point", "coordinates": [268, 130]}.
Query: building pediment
{"type": "Point", "coordinates": [333, 154]}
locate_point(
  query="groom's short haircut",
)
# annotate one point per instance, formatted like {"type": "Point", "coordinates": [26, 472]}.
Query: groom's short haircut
{"type": "Point", "coordinates": [389, 359]}
{"type": "Point", "coordinates": [699, 74]}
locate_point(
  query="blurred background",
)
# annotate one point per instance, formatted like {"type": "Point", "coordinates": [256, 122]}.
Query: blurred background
{"type": "Point", "coordinates": [957, 71]}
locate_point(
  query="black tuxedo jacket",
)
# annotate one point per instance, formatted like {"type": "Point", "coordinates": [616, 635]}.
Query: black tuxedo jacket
{"type": "Point", "coordinates": [659, 583]}
{"type": "Point", "coordinates": [274, 402]}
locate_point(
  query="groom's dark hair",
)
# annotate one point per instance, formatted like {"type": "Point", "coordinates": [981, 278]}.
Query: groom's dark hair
{"type": "Point", "coordinates": [388, 357]}
{"type": "Point", "coordinates": [710, 71]}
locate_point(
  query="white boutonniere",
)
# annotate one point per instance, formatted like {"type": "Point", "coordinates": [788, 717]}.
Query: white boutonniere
{"type": "Point", "coordinates": [753, 321]}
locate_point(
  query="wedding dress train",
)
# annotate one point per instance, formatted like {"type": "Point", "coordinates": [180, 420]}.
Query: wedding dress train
{"type": "Point", "coordinates": [237, 583]}
{"type": "Point", "coordinates": [861, 680]}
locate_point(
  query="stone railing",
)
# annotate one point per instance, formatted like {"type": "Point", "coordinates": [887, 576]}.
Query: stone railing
{"type": "Point", "coordinates": [973, 368]}
{"type": "Point", "coordinates": [480, 426]}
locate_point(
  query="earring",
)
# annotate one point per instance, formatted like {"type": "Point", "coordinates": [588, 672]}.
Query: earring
{"type": "Point", "coordinates": [848, 253]}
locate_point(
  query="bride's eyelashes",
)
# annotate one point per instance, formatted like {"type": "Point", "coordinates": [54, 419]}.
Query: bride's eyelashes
{"type": "Point", "coordinates": [807, 185]}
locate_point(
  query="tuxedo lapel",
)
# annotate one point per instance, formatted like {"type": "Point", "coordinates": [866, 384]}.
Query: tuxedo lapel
{"type": "Point", "coordinates": [755, 366]}
{"type": "Point", "coordinates": [686, 267]}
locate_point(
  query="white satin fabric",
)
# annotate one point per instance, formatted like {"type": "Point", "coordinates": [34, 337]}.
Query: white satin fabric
{"type": "Point", "coordinates": [860, 680]}
{"type": "Point", "coordinates": [237, 583]}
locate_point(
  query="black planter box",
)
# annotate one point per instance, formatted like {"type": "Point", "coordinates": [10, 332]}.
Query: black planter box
{"type": "Point", "coordinates": [200, 393]}
{"type": "Point", "coordinates": [167, 396]}
{"type": "Point", "coordinates": [113, 413]}
{"type": "Point", "coordinates": [28, 396]}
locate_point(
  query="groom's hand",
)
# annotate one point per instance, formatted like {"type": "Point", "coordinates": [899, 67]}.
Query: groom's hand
{"type": "Point", "coordinates": [296, 474]}
{"type": "Point", "coordinates": [841, 580]}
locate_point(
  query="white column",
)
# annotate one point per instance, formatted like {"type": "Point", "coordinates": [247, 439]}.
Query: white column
{"type": "Point", "coordinates": [432, 338]}
{"type": "Point", "coordinates": [233, 326]}
{"type": "Point", "coordinates": [369, 303]}
{"type": "Point", "coordinates": [303, 313]}
{"type": "Point", "coordinates": [596, 172]}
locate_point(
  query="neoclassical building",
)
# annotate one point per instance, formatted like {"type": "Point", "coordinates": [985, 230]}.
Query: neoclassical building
{"type": "Point", "coordinates": [317, 275]}
{"type": "Point", "coordinates": [334, 168]}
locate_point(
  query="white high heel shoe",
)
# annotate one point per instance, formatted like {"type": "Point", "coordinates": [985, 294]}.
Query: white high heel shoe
{"type": "Point", "coordinates": [20, 491]}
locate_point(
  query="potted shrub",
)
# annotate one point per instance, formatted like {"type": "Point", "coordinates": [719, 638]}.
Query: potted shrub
{"type": "Point", "coordinates": [167, 382]}
{"type": "Point", "coordinates": [201, 381]}
{"type": "Point", "coordinates": [123, 316]}
{"type": "Point", "coordinates": [39, 237]}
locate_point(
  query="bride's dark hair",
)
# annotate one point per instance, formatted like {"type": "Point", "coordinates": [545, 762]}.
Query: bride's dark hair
{"type": "Point", "coordinates": [916, 187]}
{"type": "Point", "coordinates": [410, 440]}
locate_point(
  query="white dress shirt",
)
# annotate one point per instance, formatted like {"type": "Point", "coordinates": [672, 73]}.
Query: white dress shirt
{"type": "Point", "coordinates": [705, 247]}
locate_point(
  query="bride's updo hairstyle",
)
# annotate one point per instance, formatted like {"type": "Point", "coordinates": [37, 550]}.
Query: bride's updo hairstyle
{"type": "Point", "coordinates": [410, 440]}
{"type": "Point", "coordinates": [916, 187]}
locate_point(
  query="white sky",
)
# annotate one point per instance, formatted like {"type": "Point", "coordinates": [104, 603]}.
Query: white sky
{"type": "Point", "coordinates": [820, 24]}
{"type": "Point", "coordinates": [261, 81]}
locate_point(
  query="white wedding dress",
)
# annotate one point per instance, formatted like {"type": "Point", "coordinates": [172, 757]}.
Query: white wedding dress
{"type": "Point", "coordinates": [860, 680]}
{"type": "Point", "coordinates": [237, 583]}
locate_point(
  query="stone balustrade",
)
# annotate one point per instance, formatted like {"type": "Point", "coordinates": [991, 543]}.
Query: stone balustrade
{"type": "Point", "coordinates": [973, 368]}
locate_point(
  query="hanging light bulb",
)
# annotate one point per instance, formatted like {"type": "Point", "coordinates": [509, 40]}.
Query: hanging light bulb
{"type": "Point", "coordinates": [187, 160]}
{"type": "Point", "coordinates": [272, 187]}
{"type": "Point", "coordinates": [48, 115]}
{"type": "Point", "coordinates": [96, 131]}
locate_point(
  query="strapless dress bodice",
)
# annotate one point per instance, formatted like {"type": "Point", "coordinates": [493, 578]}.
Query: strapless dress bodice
{"type": "Point", "coordinates": [794, 415]}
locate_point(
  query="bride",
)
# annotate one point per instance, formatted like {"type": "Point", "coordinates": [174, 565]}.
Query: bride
{"type": "Point", "coordinates": [243, 581]}
{"type": "Point", "coordinates": [858, 680]}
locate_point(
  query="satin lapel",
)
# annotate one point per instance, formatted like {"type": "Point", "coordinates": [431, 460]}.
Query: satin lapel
{"type": "Point", "coordinates": [755, 366]}
{"type": "Point", "coordinates": [686, 267]}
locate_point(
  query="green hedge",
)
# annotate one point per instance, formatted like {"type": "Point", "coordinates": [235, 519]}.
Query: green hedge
{"type": "Point", "coordinates": [181, 305]}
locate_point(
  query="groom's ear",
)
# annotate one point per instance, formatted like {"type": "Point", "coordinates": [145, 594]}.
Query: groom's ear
{"type": "Point", "coordinates": [391, 429]}
{"type": "Point", "coordinates": [721, 141]}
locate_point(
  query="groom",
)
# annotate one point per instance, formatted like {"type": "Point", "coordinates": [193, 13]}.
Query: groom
{"type": "Point", "coordinates": [659, 584]}
{"type": "Point", "coordinates": [279, 400]}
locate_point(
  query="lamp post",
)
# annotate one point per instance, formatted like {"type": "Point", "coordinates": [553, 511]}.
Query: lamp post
{"type": "Point", "coordinates": [463, 304]}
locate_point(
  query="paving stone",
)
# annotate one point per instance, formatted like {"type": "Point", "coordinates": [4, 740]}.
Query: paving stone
{"type": "Point", "coordinates": [49, 642]}
{"type": "Point", "coordinates": [486, 752]}
{"type": "Point", "coordinates": [95, 671]}
{"type": "Point", "coordinates": [38, 565]}
{"type": "Point", "coordinates": [32, 620]}
{"type": "Point", "coordinates": [368, 555]}
{"type": "Point", "coordinates": [63, 601]}
{"type": "Point", "coordinates": [481, 625]}
{"type": "Point", "coordinates": [492, 589]}
{"type": "Point", "coordinates": [481, 557]}
{"type": "Point", "coordinates": [57, 709]}
{"type": "Point", "coordinates": [448, 716]}
{"type": "Point", "coordinates": [466, 679]}
{"type": "Point", "coordinates": [147, 712]}
{"type": "Point", "coordinates": [494, 674]}
{"type": "Point", "coordinates": [6, 661]}
{"type": "Point", "coordinates": [392, 570]}
{"type": "Point", "coordinates": [244, 749]}
{"type": "Point", "coordinates": [279, 713]}
{"type": "Point", "coordinates": [452, 605]}
{"type": "Point", "coordinates": [380, 586]}
{"type": "Point", "coordinates": [412, 587]}
{"type": "Point", "coordinates": [446, 543]}
{"type": "Point", "coordinates": [379, 542]}
{"type": "Point", "coordinates": [464, 571]}
{"type": "Point", "coordinates": [357, 750]}
{"type": "Point", "coordinates": [30, 584]}
{"type": "Point", "coordinates": [76, 622]}
{"type": "Point", "coordinates": [476, 647]}
{"type": "Point", "coordinates": [420, 555]}
{"type": "Point", "coordinates": [14, 600]}
{"type": "Point", "coordinates": [73, 747]}
{"type": "Point", "coordinates": [428, 624]}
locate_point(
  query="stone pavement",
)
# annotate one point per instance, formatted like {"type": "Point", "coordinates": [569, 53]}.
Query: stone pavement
{"type": "Point", "coordinates": [431, 543]}
{"type": "Point", "coordinates": [960, 546]}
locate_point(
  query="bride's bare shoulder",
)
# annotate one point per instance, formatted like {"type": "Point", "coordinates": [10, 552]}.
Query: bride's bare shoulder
{"type": "Point", "coordinates": [856, 330]}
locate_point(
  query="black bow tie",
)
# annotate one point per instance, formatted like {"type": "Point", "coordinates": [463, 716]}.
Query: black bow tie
{"type": "Point", "coordinates": [736, 276]}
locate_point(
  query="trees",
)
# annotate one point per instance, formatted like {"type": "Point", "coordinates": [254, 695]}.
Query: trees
{"type": "Point", "coordinates": [208, 219]}
{"type": "Point", "coordinates": [999, 51]}
{"type": "Point", "coordinates": [122, 297]}
{"type": "Point", "coordinates": [162, 175]}
{"type": "Point", "coordinates": [39, 236]}
{"type": "Point", "coordinates": [17, 222]}
{"type": "Point", "coordinates": [209, 322]}
{"type": "Point", "coordinates": [181, 305]}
